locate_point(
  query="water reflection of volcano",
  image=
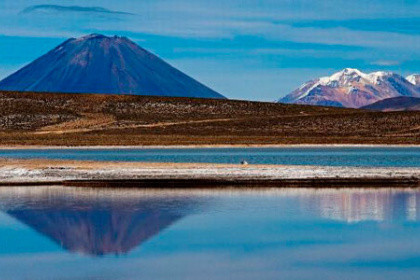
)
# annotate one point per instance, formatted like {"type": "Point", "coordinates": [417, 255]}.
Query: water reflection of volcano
{"type": "Point", "coordinates": [95, 222]}
{"type": "Point", "coordinates": [357, 205]}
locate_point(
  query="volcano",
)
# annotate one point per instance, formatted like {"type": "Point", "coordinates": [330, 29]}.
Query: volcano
{"type": "Point", "coordinates": [105, 65]}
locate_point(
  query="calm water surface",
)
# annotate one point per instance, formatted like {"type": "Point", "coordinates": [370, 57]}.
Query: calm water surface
{"type": "Point", "coordinates": [70, 233]}
{"type": "Point", "coordinates": [328, 156]}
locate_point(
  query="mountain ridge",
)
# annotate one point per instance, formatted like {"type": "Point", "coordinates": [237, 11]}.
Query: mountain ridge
{"type": "Point", "coordinates": [400, 103]}
{"type": "Point", "coordinates": [352, 88]}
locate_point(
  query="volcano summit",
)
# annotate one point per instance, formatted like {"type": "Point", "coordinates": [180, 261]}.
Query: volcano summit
{"type": "Point", "coordinates": [108, 65]}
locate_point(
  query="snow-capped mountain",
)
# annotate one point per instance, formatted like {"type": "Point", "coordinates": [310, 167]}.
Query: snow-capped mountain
{"type": "Point", "coordinates": [352, 88]}
{"type": "Point", "coordinates": [108, 65]}
{"type": "Point", "coordinates": [414, 79]}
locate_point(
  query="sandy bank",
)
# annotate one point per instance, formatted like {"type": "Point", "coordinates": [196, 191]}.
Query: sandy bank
{"type": "Point", "coordinates": [107, 147]}
{"type": "Point", "coordinates": [56, 171]}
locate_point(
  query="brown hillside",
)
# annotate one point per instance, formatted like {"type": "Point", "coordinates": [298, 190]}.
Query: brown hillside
{"type": "Point", "coordinates": [84, 119]}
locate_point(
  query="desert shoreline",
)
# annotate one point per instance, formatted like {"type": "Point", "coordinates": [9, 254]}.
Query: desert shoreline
{"type": "Point", "coordinates": [199, 146]}
{"type": "Point", "coordinates": [18, 172]}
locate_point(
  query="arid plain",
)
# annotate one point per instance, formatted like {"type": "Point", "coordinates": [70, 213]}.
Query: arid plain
{"type": "Point", "coordinates": [53, 119]}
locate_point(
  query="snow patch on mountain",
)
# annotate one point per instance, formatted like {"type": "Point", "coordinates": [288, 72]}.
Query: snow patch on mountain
{"type": "Point", "coordinates": [414, 79]}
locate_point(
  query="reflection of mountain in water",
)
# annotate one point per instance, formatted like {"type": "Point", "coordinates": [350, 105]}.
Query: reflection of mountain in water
{"type": "Point", "coordinates": [103, 221]}
{"type": "Point", "coordinates": [97, 232]}
{"type": "Point", "coordinates": [364, 205]}
{"type": "Point", "coordinates": [99, 225]}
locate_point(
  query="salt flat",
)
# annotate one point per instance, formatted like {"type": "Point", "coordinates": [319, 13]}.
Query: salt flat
{"type": "Point", "coordinates": [38, 171]}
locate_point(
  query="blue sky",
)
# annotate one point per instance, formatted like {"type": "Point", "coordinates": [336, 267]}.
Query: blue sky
{"type": "Point", "coordinates": [248, 49]}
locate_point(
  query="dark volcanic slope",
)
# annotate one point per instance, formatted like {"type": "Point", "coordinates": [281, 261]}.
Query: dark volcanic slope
{"type": "Point", "coordinates": [109, 65]}
{"type": "Point", "coordinates": [402, 103]}
{"type": "Point", "coordinates": [92, 119]}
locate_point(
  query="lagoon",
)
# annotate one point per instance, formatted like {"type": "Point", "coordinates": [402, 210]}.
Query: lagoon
{"type": "Point", "coordinates": [74, 233]}
{"type": "Point", "coordinates": [323, 156]}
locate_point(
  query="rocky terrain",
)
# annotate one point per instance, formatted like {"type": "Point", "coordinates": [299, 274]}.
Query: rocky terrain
{"type": "Point", "coordinates": [92, 119]}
